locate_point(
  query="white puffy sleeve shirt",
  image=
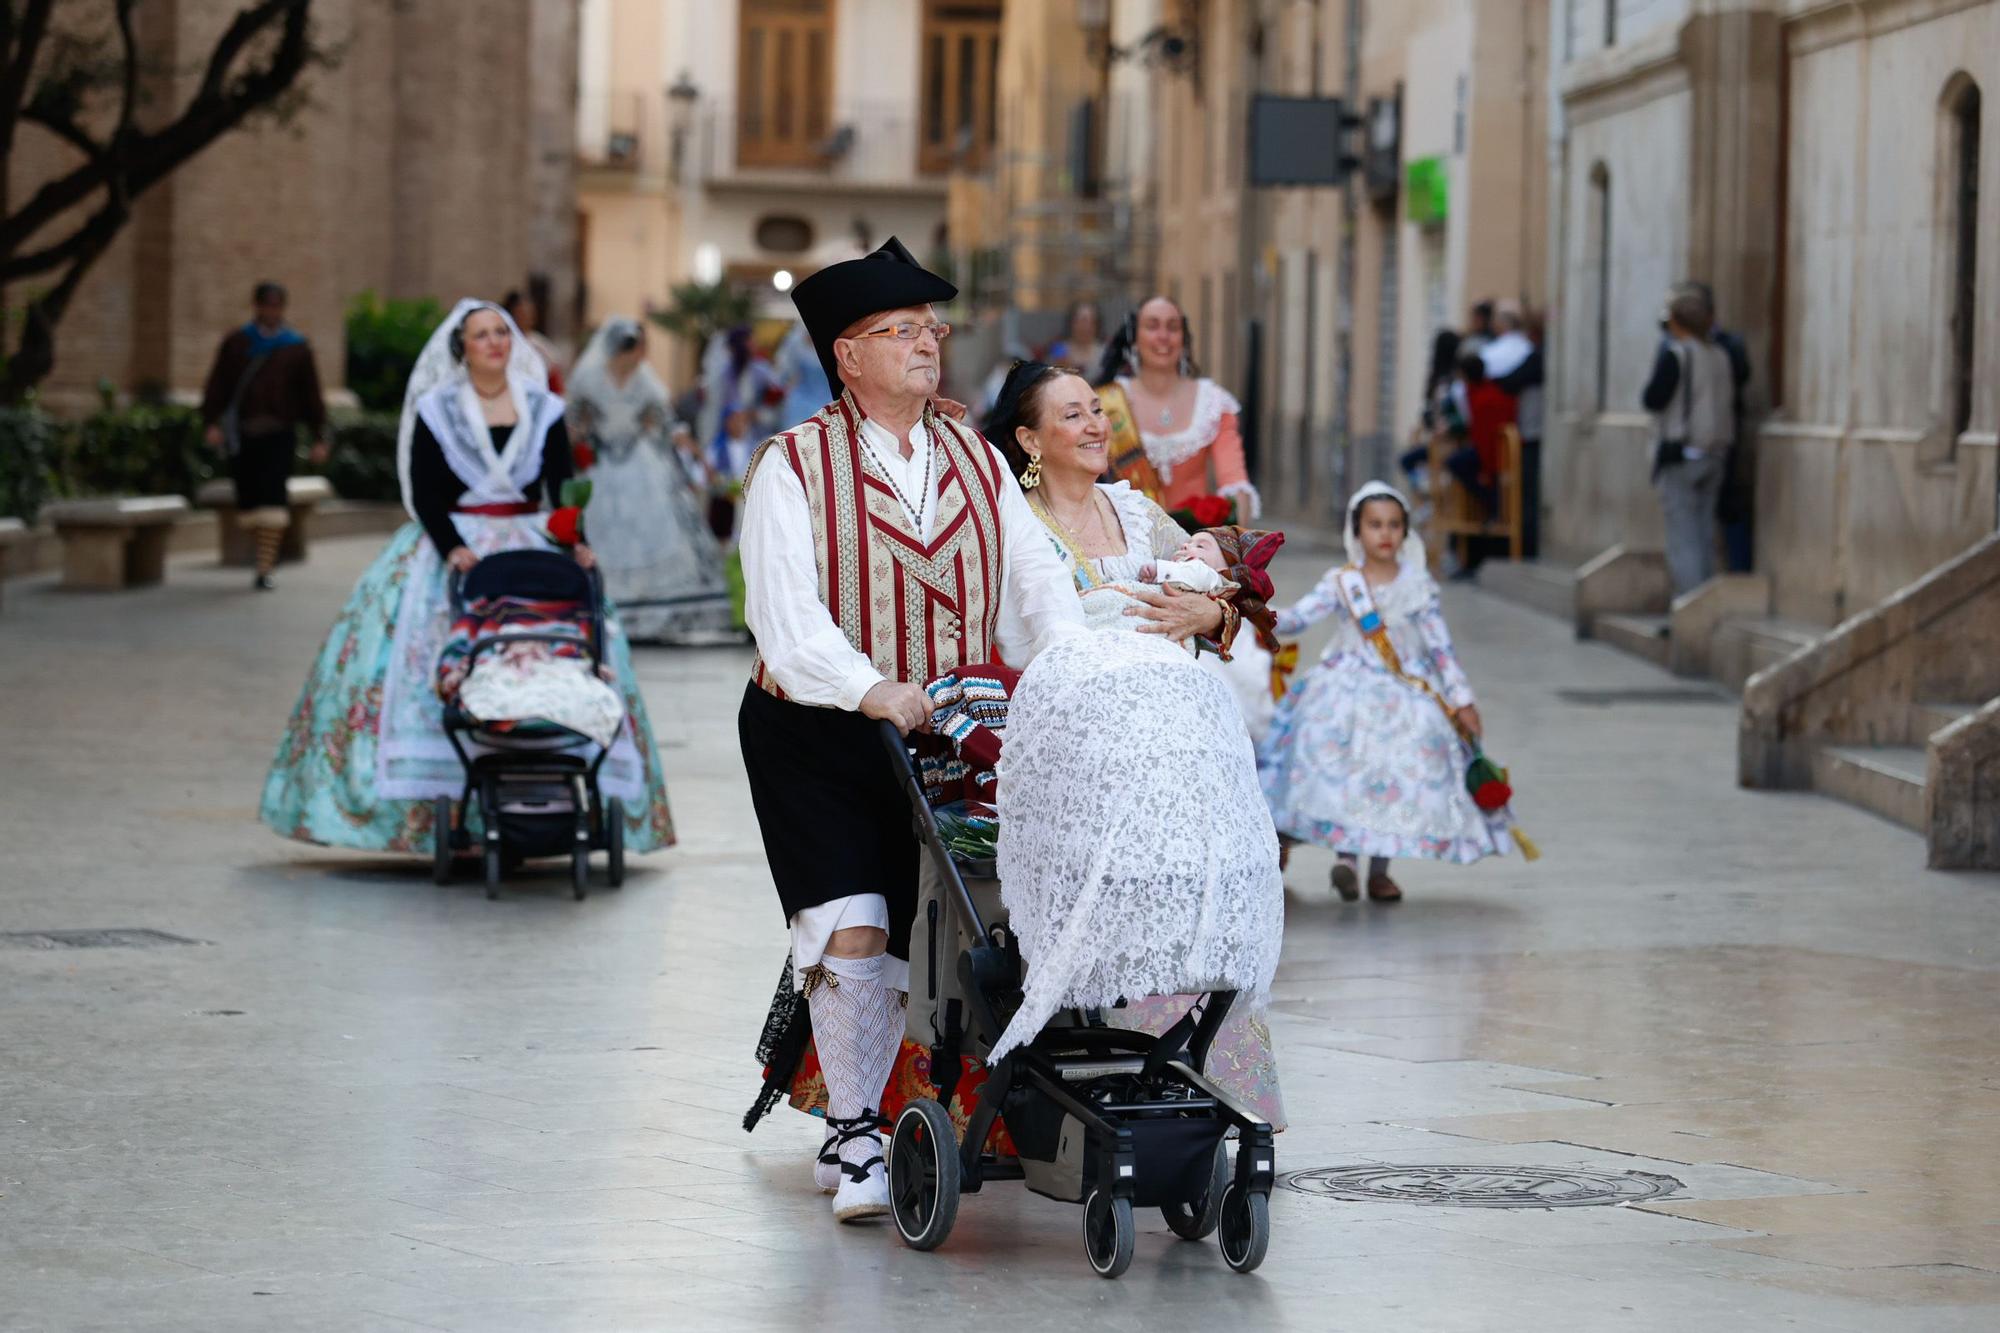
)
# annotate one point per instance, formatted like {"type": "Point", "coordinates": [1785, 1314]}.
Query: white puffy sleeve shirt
{"type": "Point", "coordinates": [805, 650]}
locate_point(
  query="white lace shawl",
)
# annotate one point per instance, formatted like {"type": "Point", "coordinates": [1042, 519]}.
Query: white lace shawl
{"type": "Point", "coordinates": [440, 391]}
{"type": "Point", "coordinates": [1161, 880]}
{"type": "Point", "coordinates": [1166, 450]}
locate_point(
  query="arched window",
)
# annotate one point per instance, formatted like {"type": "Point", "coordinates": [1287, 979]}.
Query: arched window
{"type": "Point", "coordinates": [1961, 234]}
{"type": "Point", "coordinates": [1600, 257]}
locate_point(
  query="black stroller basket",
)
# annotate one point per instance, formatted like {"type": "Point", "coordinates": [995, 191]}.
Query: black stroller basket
{"type": "Point", "coordinates": [1104, 1116]}
{"type": "Point", "coordinates": [537, 795]}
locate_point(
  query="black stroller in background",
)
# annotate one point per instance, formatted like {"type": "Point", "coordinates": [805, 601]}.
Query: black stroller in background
{"type": "Point", "coordinates": [1107, 1117]}
{"type": "Point", "coordinates": [535, 780]}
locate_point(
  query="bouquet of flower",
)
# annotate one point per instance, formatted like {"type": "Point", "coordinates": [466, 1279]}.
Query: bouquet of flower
{"type": "Point", "coordinates": [566, 521]}
{"type": "Point", "coordinates": [970, 829]}
{"type": "Point", "coordinates": [1205, 511]}
{"type": "Point", "coordinates": [583, 455]}
{"type": "Point", "coordinates": [1491, 791]}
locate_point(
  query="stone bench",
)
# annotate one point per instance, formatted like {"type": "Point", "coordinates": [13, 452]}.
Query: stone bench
{"type": "Point", "coordinates": [238, 543]}
{"type": "Point", "coordinates": [13, 532]}
{"type": "Point", "coordinates": [119, 542]}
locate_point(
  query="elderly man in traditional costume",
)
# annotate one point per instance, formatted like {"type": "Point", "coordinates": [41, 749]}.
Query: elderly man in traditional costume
{"type": "Point", "coordinates": [884, 544]}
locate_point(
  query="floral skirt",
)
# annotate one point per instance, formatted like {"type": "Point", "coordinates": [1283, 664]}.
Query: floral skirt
{"type": "Point", "coordinates": [1360, 762]}
{"type": "Point", "coordinates": [365, 751]}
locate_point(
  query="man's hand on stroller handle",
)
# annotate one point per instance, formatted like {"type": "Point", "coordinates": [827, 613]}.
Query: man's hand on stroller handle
{"type": "Point", "coordinates": [903, 704]}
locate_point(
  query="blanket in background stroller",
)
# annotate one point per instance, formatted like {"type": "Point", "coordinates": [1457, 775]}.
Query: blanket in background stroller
{"type": "Point", "coordinates": [512, 687]}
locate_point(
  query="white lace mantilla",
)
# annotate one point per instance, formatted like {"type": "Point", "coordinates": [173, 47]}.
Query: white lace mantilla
{"type": "Point", "coordinates": [1166, 450]}
{"type": "Point", "coordinates": [1163, 882]}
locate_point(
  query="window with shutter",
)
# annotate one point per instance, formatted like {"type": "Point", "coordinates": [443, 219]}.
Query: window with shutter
{"type": "Point", "coordinates": [959, 90]}
{"type": "Point", "coordinates": [784, 82]}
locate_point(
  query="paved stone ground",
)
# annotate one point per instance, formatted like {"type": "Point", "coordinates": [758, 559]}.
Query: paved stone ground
{"type": "Point", "coordinates": [363, 1102]}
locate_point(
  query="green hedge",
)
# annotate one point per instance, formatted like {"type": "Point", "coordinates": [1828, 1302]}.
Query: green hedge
{"type": "Point", "coordinates": [152, 449]}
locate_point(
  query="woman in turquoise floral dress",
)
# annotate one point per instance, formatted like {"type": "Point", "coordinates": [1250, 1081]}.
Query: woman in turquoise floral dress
{"type": "Point", "coordinates": [480, 446]}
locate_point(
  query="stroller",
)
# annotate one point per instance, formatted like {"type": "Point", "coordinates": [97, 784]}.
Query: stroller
{"type": "Point", "coordinates": [535, 780]}
{"type": "Point", "coordinates": [1099, 1115]}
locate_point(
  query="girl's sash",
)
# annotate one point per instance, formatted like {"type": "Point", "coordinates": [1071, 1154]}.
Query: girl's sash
{"type": "Point", "coordinates": [1128, 451]}
{"type": "Point", "coordinates": [1361, 605]}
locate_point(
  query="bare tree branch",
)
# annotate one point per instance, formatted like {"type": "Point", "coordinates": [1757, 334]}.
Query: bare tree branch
{"type": "Point", "coordinates": [24, 44]}
{"type": "Point", "coordinates": [121, 167]}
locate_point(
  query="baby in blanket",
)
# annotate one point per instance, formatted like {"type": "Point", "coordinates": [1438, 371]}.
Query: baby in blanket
{"type": "Point", "coordinates": [539, 679]}
{"type": "Point", "coordinates": [1198, 565]}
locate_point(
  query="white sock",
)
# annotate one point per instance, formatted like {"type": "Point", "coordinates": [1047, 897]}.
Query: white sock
{"type": "Point", "coordinates": [858, 1029]}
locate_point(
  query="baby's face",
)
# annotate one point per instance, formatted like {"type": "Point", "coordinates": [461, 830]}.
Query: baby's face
{"type": "Point", "coordinates": [1203, 547]}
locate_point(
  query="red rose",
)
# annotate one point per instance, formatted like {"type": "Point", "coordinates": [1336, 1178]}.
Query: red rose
{"type": "Point", "coordinates": [1210, 510]}
{"type": "Point", "coordinates": [1492, 795]}
{"type": "Point", "coordinates": [566, 525]}
{"type": "Point", "coordinates": [584, 455]}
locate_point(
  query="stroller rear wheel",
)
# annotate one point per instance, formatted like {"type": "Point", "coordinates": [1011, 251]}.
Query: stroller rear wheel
{"type": "Point", "coordinates": [924, 1174]}
{"type": "Point", "coordinates": [1108, 1233]}
{"type": "Point", "coordinates": [1197, 1218]}
{"type": "Point", "coordinates": [614, 841]}
{"type": "Point", "coordinates": [441, 840]}
{"type": "Point", "coordinates": [1246, 1227]}
{"type": "Point", "coordinates": [493, 870]}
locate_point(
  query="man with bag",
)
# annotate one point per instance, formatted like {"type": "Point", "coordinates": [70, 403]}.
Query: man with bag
{"type": "Point", "coordinates": [262, 387]}
{"type": "Point", "coordinates": [1692, 395]}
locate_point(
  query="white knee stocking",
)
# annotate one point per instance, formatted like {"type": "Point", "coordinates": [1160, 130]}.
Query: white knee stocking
{"type": "Point", "coordinates": [858, 1029]}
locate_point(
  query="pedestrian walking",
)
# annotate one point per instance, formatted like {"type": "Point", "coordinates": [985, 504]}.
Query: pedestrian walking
{"type": "Point", "coordinates": [261, 389]}
{"type": "Point", "coordinates": [1371, 750]}
{"type": "Point", "coordinates": [663, 568]}
{"type": "Point", "coordinates": [1692, 394]}
{"type": "Point", "coordinates": [1175, 433]}
{"type": "Point", "coordinates": [877, 501]}
{"type": "Point", "coordinates": [1513, 362]}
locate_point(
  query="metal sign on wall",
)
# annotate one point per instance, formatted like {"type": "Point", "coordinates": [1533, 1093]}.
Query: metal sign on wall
{"type": "Point", "coordinates": [1300, 140]}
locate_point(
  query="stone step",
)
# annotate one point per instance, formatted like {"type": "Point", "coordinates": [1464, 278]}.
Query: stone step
{"type": "Point", "coordinates": [1888, 780]}
{"type": "Point", "coordinates": [1743, 647]}
{"type": "Point", "coordinates": [1926, 720]}
{"type": "Point", "coordinates": [1548, 588]}
{"type": "Point", "coordinates": [1650, 637]}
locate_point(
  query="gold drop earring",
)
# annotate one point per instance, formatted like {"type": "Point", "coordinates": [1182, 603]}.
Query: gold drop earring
{"type": "Point", "coordinates": [1031, 476]}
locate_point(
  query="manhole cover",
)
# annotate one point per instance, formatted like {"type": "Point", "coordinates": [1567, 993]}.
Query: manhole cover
{"type": "Point", "coordinates": [1480, 1186]}
{"type": "Point", "coordinates": [89, 939]}
{"type": "Point", "coordinates": [1611, 698]}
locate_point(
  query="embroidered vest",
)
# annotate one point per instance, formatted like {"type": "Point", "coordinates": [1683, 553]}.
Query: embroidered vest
{"type": "Point", "coordinates": [917, 609]}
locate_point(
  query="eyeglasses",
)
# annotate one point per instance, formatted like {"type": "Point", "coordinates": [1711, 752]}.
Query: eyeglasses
{"type": "Point", "coordinates": [908, 333]}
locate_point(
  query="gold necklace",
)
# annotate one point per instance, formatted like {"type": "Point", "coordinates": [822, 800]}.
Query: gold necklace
{"type": "Point", "coordinates": [1077, 539]}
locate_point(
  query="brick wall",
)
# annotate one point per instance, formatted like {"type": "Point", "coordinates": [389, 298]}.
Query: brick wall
{"type": "Point", "coordinates": [422, 166]}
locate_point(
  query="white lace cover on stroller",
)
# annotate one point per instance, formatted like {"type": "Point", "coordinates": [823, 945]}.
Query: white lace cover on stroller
{"type": "Point", "coordinates": [1137, 856]}
{"type": "Point", "coordinates": [525, 682]}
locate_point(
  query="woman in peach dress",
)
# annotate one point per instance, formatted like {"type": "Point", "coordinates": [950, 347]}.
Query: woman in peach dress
{"type": "Point", "coordinates": [1175, 432]}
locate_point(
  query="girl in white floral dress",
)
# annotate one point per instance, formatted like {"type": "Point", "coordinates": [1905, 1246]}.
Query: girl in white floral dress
{"type": "Point", "coordinates": [1360, 757]}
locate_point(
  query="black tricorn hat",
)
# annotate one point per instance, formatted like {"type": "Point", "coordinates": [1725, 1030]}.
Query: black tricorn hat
{"type": "Point", "coordinates": [841, 295]}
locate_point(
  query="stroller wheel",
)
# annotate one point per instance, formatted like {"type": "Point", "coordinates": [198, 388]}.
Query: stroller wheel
{"type": "Point", "coordinates": [924, 1174]}
{"type": "Point", "coordinates": [492, 860]}
{"type": "Point", "coordinates": [1108, 1233]}
{"type": "Point", "coordinates": [1196, 1219]}
{"type": "Point", "coordinates": [441, 840]}
{"type": "Point", "coordinates": [1246, 1227]}
{"type": "Point", "coordinates": [614, 841]}
{"type": "Point", "coordinates": [579, 871]}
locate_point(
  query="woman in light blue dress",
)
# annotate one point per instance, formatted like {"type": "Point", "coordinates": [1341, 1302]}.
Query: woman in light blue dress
{"type": "Point", "coordinates": [480, 446]}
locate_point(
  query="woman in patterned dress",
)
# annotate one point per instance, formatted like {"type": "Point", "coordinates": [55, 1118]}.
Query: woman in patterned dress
{"type": "Point", "coordinates": [480, 448]}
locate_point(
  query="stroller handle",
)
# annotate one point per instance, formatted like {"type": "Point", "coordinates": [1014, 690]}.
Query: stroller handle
{"type": "Point", "coordinates": [927, 829]}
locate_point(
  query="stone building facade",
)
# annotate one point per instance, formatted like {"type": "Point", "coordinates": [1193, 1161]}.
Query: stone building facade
{"type": "Point", "coordinates": [433, 161]}
{"type": "Point", "coordinates": [759, 139]}
{"type": "Point", "coordinates": [1820, 166]}
{"type": "Point", "coordinates": [1318, 304]}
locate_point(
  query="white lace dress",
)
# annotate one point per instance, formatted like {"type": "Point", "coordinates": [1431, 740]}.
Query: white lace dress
{"type": "Point", "coordinates": [1129, 815]}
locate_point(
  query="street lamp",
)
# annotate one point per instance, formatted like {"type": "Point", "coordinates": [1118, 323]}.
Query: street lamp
{"type": "Point", "coordinates": [682, 94]}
